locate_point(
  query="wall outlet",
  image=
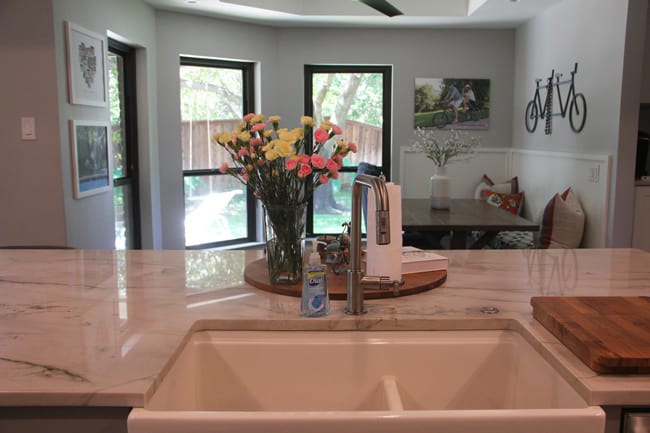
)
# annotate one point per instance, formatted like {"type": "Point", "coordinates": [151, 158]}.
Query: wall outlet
{"type": "Point", "coordinates": [594, 174]}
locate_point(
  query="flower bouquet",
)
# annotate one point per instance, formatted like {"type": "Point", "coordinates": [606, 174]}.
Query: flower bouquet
{"type": "Point", "coordinates": [442, 150]}
{"type": "Point", "coordinates": [282, 171]}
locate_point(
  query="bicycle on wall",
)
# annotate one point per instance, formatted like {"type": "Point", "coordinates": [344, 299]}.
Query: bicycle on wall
{"type": "Point", "coordinates": [575, 103]}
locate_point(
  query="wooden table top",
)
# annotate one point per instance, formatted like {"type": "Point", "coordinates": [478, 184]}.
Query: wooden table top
{"type": "Point", "coordinates": [464, 214]}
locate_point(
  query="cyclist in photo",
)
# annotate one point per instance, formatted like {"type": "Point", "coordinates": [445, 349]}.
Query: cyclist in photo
{"type": "Point", "coordinates": [469, 99]}
{"type": "Point", "coordinates": [453, 100]}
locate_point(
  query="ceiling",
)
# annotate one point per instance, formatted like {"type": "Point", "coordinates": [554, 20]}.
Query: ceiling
{"type": "Point", "coordinates": [352, 13]}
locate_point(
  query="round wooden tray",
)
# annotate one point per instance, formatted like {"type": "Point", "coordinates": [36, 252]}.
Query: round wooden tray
{"type": "Point", "coordinates": [256, 274]}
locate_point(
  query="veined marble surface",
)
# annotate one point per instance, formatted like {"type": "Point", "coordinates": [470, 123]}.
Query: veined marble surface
{"type": "Point", "coordinates": [98, 328]}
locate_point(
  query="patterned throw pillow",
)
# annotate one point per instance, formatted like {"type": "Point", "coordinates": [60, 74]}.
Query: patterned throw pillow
{"type": "Point", "coordinates": [509, 202]}
{"type": "Point", "coordinates": [509, 187]}
{"type": "Point", "coordinates": [563, 222]}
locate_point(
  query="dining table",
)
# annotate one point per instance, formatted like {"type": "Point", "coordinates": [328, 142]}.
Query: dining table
{"type": "Point", "coordinates": [464, 216]}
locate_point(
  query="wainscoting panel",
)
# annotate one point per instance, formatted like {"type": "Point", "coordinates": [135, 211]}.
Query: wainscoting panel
{"type": "Point", "coordinates": [416, 170]}
{"type": "Point", "coordinates": [542, 174]}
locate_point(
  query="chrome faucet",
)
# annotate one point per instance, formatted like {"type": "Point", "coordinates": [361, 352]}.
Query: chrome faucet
{"type": "Point", "coordinates": [356, 281]}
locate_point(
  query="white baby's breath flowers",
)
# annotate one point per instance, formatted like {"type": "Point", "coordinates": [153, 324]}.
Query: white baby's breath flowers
{"type": "Point", "coordinates": [441, 149]}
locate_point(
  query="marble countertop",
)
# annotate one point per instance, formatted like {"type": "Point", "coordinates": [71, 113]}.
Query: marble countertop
{"type": "Point", "coordinates": [96, 328]}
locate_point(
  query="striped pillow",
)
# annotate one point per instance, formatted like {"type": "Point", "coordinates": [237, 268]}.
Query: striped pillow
{"type": "Point", "coordinates": [563, 222]}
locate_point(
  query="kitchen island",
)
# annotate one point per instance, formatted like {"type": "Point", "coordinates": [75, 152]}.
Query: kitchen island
{"type": "Point", "coordinates": [96, 329]}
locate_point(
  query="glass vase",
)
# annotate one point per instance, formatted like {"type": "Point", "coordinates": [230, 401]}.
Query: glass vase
{"type": "Point", "coordinates": [284, 234]}
{"type": "Point", "coordinates": [439, 197]}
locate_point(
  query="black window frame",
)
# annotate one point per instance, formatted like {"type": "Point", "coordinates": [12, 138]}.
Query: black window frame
{"type": "Point", "coordinates": [248, 96]}
{"type": "Point", "coordinates": [131, 178]}
{"type": "Point", "coordinates": [387, 104]}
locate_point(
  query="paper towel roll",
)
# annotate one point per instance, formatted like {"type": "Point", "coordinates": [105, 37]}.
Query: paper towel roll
{"type": "Point", "coordinates": [385, 260]}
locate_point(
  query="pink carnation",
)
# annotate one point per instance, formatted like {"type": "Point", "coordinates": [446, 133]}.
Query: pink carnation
{"type": "Point", "coordinates": [260, 162]}
{"type": "Point", "coordinates": [323, 179]}
{"type": "Point", "coordinates": [305, 170]}
{"type": "Point", "coordinates": [248, 117]}
{"type": "Point", "coordinates": [224, 167]}
{"type": "Point", "coordinates": [256, 141]}
{"type": "Point", "coordinates": [321, 135]}
{"type": "Point", "coordinates": [244, 175]}
{"type": "Point", "coordinates": [334, 175]}
{"type": "Point", "coordinates": [336, 130]}
{"type": "Point", "coordinates": [339, 160]}
{"type": "Point", "coordinates": [317, 161]}
{"type": "Point", "coordinates": [332, 166]}
{"type": "Point", "coordinates": [353, 147]}
{"type": "Point", "coordinates": [258, 127]}
{"type": "Point", "coordinates": [304, 159]}
{"type": "Point", "coordinates": [243, 152]}
{"type": "Point", "coordinates": [291, 164]}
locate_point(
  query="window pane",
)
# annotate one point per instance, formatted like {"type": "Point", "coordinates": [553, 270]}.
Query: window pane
{"type": "Point", "coordinates": [123, 217]}
{"type": "Point", "coordinates": [211, 102]}
{"type": "Point", "coordinates": [353, 101]}
{"type": "Point", "coordinates": [116, 90]}
{"type": "Point", "coordinates": [215, 209]}
{"type": "Point", "coordinates": [332, 204]}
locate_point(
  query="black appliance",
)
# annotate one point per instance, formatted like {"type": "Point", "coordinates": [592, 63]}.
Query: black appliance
{"type": "Point", "coordinates": [642, 166]}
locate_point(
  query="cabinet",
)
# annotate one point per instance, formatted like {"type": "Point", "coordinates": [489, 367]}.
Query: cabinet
{"type": "Point", "coordinates": [641, 231]}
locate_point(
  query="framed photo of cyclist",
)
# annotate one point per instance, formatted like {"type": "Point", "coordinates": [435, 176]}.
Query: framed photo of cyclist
{"type": "Point", "coordinates": [446, 103]}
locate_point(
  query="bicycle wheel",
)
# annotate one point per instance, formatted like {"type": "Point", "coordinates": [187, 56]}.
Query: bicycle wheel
{"type": "Point", "coordinates": [578, 112]}
{"type": "Point", "coordinates": [440, 119]}
{"type": "Point", "coordinates": [532, 115]}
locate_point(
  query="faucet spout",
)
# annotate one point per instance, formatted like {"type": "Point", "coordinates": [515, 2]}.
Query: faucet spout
{"type": "Point", "coordinates": [382, 216]}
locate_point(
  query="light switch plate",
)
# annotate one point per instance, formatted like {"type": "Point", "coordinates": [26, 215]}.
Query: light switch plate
{"type": "Point", "coordinates": [28, 128]}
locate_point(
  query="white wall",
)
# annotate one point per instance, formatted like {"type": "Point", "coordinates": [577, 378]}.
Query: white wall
{"type": "Point", "coordinates": [182, 34]}
{"type": "Point", "coordinates": [90, 221]}
{"type": "Point", "coordinates": [282, 54]}
{"type": "Point", "coordinates": [31, 189]}
{"type": "Point", "coordinates": [592, 33]}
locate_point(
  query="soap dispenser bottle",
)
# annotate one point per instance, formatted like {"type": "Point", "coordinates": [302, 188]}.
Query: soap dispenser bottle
{"type": "Point", "coordinates": [315, 299]}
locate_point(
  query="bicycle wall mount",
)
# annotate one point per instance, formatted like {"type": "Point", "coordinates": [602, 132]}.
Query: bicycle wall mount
{"type": "Point", "coordinates": [575, 104]}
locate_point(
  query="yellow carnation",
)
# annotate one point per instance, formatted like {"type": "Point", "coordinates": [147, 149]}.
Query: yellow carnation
{"type": "Point", "coordinates": [244, 136]}
{"type": "Point", "coordinates": [271, 155]}
{"type": "Point", "coordinates": [257, 119]}
{"type": "Point", "coordinates": [275, 119]}
{"type": "Point", "coordinates": [298, 132]}
{"type": "Point", "coordinates": [326, 125]}
{"type": "Point", "coordinates": [307, 121]}
{"type": "Point", "coordinates": [225, 137]}
{"type": "Point", "coordinates": [283, 148]}
{"type": "Point", "coordinates": [288, 136]}
{"type": "Point", "coordinates": [267, 133]}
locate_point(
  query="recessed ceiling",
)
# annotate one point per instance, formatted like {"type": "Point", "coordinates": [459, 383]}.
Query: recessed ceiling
{"type": "Point", "coordinates": [352, 13]}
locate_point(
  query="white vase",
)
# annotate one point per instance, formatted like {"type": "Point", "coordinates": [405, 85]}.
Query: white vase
{"type": "Point", "coordinates": [439, 198]}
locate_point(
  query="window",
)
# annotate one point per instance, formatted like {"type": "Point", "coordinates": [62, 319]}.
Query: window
{"type": "Point", "coordinates": [358, 100]}
{"type": "Point", "coordinates": [215, 94]}
{"type": "Point", "coordinates": [124, 138]}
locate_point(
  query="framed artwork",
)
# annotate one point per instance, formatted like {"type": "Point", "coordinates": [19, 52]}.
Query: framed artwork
{"type": "Point", "coordinates": [86, 66]}
{"type": "Point", "coordinates": [452, 103]}
{"type": "Point", "coordinates": [91, 157]}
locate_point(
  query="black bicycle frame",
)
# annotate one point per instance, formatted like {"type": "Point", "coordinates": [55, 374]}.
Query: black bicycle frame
{"type": "Point", "coordinates": [572, 90]}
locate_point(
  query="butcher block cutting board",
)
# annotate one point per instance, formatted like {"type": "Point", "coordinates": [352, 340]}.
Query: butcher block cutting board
{"type": "Point", "coordinates": [611, 334]}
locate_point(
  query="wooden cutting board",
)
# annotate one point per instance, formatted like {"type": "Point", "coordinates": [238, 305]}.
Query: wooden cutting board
{"type": "Point", "coordinates": [609, 334]}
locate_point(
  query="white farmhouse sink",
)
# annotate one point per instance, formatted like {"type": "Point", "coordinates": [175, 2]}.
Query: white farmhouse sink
{"type": "Point", "coordinates": [392, 381]}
